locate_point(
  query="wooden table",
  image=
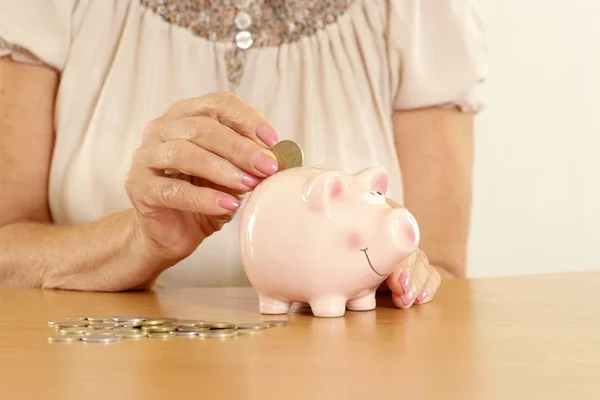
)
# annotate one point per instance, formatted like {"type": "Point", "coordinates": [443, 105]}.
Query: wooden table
{"type": "Point", "coordinates": [512, 338]}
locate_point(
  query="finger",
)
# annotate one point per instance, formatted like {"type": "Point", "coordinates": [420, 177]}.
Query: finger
{"type": "Point", "coordinates": [409, 280]}
{"type": "Point", "coordinates": [231, 111]}
{"type": "Point", "coordinates": [184, 156]}
{"type": "Point", "coordinates": [153, 192]}
{"type": "Point", "coordinates": [430, 288]}
{"type": "Point", "coordinates": [222, 141]}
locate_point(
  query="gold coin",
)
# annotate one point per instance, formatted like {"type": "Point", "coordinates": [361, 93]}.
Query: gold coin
{"type": "Point", "coordinates": [101, 318]}
{"type": "Point", "coordinates": [191, 329]}
{"type": "Point", "coordinates": [131, 333]}
{"type": "Point", "coordinates": [253, 325]}
{"type": "Point", "coordinates": [65, 338]}
{"type": "Point", "coordinates": [218, 333]}
{"type": "Point", "coordinates": [159, 328]}
{"type": "Point", "coordinates": [220, 325]}
{"type": "Point", "coordinates": [158, 321]}
{"type": "Point", "coordinates": [69, 324]}
{"type": "Point", "coordinates": [76, 317]}
{"type": "Point", "coordinates": [288, 154]}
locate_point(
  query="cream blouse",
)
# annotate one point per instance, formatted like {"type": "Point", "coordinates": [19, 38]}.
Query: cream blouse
{"type": "Point", "coordinates": [328, 74]}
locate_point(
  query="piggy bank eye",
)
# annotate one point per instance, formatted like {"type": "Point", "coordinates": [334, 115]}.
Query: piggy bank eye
{"type": "Point", "coordinates": [374, 197]}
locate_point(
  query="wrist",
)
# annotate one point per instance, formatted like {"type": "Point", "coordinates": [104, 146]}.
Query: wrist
{"type": "Point", "coordinates": [145, 251]}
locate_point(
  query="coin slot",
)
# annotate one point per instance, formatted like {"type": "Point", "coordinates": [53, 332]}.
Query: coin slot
{"type": "Point", "coordinates": [374, 198]}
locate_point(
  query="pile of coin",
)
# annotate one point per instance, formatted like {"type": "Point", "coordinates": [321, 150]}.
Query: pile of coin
{"type": "Point", "coordinates": [112, 329]}
{"type": "Point", "coordinates": [288, 154]}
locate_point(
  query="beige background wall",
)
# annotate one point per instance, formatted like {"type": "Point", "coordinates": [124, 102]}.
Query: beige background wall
{"type": "Point", "coordinates": [537, 202]}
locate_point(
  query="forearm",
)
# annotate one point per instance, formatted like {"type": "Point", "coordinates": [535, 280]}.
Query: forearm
{"type": "Point", "coordinates": [435, 148]}
{"type": "Point", "coordinates": [84, 257]}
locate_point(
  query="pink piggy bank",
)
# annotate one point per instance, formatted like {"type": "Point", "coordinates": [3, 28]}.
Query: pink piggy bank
{"type": "Point", "coordinates": [323, 237]}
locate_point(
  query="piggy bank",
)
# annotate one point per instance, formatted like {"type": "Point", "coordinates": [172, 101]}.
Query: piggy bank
{"type": "Point", "coordinates": [323, 237]}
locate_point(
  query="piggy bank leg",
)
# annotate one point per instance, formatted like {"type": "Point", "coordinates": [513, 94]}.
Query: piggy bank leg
{"type": "Point", "coordinates": [328, 307]}
{"type": "Point", "coordinates": [269, 305]}
{"type": "Point", "coordinates": [364, 302]}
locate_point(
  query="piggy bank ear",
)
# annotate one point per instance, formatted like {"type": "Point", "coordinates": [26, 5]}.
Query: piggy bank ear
{"type": "Point", "coordinates": [376, 178]}
{"type": "Point", "coordinates": [323, 191]}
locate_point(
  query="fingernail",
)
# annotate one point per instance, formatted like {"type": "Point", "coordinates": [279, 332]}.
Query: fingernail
{"type": "Point", "coordinates": [229, 203]}
{"type": "Point", "coordinates": [407, 298]}
{"type": "Point", "coordinates": [404, 281]}
{"type": "Point", "coordinates": [267, 135]}
{"type": "Point", "coordinates": [265, 164]}
{"type": "Point", "coordinates": [250, 180]}
{"type": "Point", "coordinates": [422, 296]}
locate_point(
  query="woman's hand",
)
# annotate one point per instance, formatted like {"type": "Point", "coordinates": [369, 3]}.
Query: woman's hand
{"type": "Point", "coordinates": [416, 282]}
{"type": "Point", "coordinates": [194, 164]}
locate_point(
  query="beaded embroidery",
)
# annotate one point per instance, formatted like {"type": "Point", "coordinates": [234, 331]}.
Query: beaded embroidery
{"type": "Point", "coordinates": [274, 22]}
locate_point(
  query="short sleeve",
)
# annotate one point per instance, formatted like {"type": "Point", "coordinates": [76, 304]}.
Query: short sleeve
{"type": "Point", "coordinates": [437, 54]}
{"type": "Point", "coordinates": [36, 30]}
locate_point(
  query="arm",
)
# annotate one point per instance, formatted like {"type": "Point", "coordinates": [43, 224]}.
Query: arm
{"type": "Point", "coordinates": [217, 144]}
{"type": "Point", "coordinates": [33, 252]}
{"type": "Point", "coordinates": [435, 148]}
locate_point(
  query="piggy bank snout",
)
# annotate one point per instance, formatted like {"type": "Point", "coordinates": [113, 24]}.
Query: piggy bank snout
{"type": "Point", "coordinates": [405, 230]}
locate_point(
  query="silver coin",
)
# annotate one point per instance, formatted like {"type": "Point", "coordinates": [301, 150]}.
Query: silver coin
{"type": "Point", "coordinates": [186, 333]}
{"type": "Point", "coordinates": [76, 330]}
{"type": "Point", "coordinates": [102, 339]}
{"type": "Point", "coordinates": [249, 331]}
{"type": "Point", "coordinates": [132, 319]}
{"type": "Point", "coordinates": [161, 335]}
{"type": "Point", "coordinates": [131, 333]}
{"type": "Point", "coordinates": [104, 332]}
{"type": "Point", "coordinates": [189, 322]}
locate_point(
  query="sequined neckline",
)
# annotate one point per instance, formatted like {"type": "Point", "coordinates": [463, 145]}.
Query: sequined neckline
{"type": "Point", "coordinates": [246, 24]}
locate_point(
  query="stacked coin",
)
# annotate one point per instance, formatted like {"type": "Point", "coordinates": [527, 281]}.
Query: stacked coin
{"type": "Point", "coordinates": [111, 329]}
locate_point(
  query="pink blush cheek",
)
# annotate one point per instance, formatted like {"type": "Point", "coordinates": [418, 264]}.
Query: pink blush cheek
{"type": "Point", "coordinates": [354, 241]}
{"type": "Point", "coordinates": [409, 231]}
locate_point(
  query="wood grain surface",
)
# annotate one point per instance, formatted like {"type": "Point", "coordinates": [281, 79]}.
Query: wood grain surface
{"type": "Point", "coordinates": [535, 337]}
